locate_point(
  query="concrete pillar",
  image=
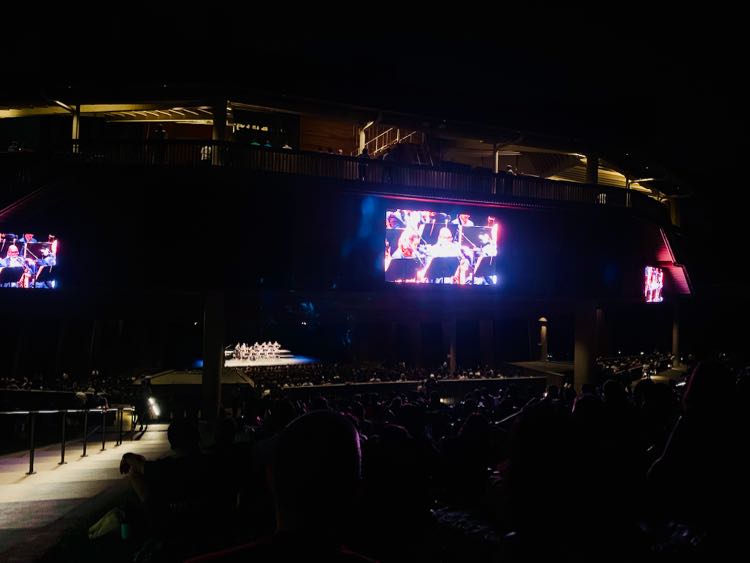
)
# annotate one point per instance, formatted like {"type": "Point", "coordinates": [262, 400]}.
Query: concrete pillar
{"type": "Point", "coordinates": [449, 339]}
{"type": "Point", "coordinates": [213, 354]}
{"type": "Point", "coordinates": [75, 133]}
{"type": "Point", "coordinates": [21, 339]}
{"type": "Point", "coordinates": [627, 192]}
{"type": "Point", "coordinates": [60, 347]}
{"type": "Point", "coordinates": [95, 334]}
{"type": "Point", "coordinates": [392, 342]}
{"type": "Point", "coordinates": [601, 341]}
{"type": "Point", "coordinates": [544, 344]}
{"type": "Point", "coordinates": [674, 211]}
{"type": "Point", "coordinates": [361, 140]}
{"type": "Point", "coordinates": [218, 131]}
{"type": "Point", "coordinates": [584, 354]}
{"type": "Point", "coordinates": [219, 128]}
{"type": "Point", "coordinates": [487, 342]}
{"type": "Point", "coordinates": [415, 343]}
{"type": "Point", "coordinates": [676, 334]}
{"type": "Point", "coordinates": [592, 169]}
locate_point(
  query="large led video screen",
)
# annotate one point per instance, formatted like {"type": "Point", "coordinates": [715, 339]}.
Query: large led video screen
{"type": "Point", "coordinates": [28, 263]}
{"type": "Point", "coordinates": [424, 246]}
{"type": "Point", "coordinates": [653, 284]}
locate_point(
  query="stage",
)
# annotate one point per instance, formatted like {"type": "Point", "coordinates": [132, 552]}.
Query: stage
{"type": "Point", "coordinates": [282, 360]}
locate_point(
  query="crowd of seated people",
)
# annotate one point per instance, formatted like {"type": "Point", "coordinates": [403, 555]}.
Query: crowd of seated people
{"type": "Point", "coordinates": [307, 375]}
{"type": "Point", "coordinates": [627, 368]}
{"type": "Point", "coordinates": [605, 473]}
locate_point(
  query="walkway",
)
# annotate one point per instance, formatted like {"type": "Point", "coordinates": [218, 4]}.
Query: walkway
{"type": "Point", "coordinates": [35, 510]}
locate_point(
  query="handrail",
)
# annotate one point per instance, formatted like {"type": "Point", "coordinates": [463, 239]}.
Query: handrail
{"type": "Point", "coordinates": [481, 184]}
{"type": "Point", "coordinates": [104, 410]}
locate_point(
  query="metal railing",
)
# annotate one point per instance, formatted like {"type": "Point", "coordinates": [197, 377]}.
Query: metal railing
{"type": "Point", "coordinates": [380, 138]}
{"type": "Point", "coordinates": [32, 414]}
{"type": "Point", "coordinates": [399, 177]}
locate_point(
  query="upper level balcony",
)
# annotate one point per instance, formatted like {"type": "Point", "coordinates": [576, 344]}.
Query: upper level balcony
{"type": "Point", "coordinates": [408, 154]}
{"type": "Point", "coordinates": [370, 174]}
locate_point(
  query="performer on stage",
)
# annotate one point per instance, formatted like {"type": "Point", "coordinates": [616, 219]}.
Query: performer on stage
{"type": "Point", "coordinates": [463, 219]}
{"type": "Point", "coordinates": [12, 259]}
{"type": "Point", "coordinates": [408, 245]}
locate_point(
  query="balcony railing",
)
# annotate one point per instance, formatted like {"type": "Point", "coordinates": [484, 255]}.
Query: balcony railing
{"type": "Point", "coordinates": [32, 415]}
{"type": "Point", "coordinates": [471, 183]}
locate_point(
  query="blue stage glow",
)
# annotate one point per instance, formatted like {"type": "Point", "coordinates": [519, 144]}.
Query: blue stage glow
{"type": "Point", "coordinates": [303, 360]}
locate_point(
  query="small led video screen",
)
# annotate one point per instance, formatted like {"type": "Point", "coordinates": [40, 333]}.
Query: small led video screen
{"type": "Point", "coordinates": [440, 248]}
{"type": "Point", "coordinates": [28, 263]}
{"type": "Point", "coordinates": [653, 285]}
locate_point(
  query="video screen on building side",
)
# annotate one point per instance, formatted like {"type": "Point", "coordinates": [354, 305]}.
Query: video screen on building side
{"type": "Point", "coordinates": [28, 262]}
{"type": "Point", "coordinates": [653, 284]}
{"type": "Point", "coordinates": [430, 247]}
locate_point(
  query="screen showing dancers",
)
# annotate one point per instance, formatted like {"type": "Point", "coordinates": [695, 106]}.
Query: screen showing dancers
{"type": "Point", "coordinates": [28, 263]}
{"type": "Point", "coordinates": [440, 248]}
{"type": "Point", "coordinates": [653, 285]}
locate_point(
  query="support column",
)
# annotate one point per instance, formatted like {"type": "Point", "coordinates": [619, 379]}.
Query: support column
{"type": "Point", "coordinates": [415, 337]}
{"type": "Point", "coordinates": [95, 333]}
{"type": "Point", "coordinates": [627, 192]}
{"type": "Point", "coordinates": [487, 342]}
{"type": "Point", "coordinates": [543, 342]}
{"type": "Point", "coordinates": [75, 133]}
{"type": "Point", "coordinates": [449, 340]}
{"type": "Point", "coordinates": [600, 334]}
{"type": "Point", "coordinates": [392, 342]}
{"type": "Point", "coordinates": [592, 169]}
{"type": "Point", "coordinates": [60, 348]}
{"type": "Point", "coordinates": [218, 131]}
{"type": "Point", "coordinates": [584, 354]}
{"type": "Point", "coordinates": [361, 140]}
{"type": "Point", "coordinates": [213, 354]}
{"type": "Point", "coordinates": [219, 128]}
{"type": "Point", "coordinates": [21, 339]}
{"type": "Point", "coordinates": [676, 334]}
{"type": "Point", "coordinates": [674, 211]}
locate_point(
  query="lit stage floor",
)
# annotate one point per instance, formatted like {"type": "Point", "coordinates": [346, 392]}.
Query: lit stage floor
{"type": "Point", "coordinates": [35, 510]}
{"type": "Point", "coordinates": [268, 362]}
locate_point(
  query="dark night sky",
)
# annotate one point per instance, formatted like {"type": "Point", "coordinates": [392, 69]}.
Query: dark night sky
{"type": "Point", "coordinates": [665, 88]}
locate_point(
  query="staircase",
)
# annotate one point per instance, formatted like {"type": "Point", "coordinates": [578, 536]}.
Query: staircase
{"type": "Point", "coordinates": [379, 138]}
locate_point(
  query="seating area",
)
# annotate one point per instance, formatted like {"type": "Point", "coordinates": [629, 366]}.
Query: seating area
{"type": "Point", "coordinates": [515, 476]}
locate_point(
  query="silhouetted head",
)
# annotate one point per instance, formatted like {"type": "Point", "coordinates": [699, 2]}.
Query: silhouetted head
{"type": "Point", "coordinates": [614, 392]}
{"type": "Point", "coordinates": [183, 437]}
{"type": "Point", "coordinates": [475, 428]}
{"type": "Point", "coordinates": [225, 432]}
{"type": "Point", "coordinates": [316, 472]}
{"type": "Point", "coordinates": [319, 403]}
{"type": "Point", "coordinates": [412, 418]}
{"type": "Point", "coordinates": [710, 389]}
